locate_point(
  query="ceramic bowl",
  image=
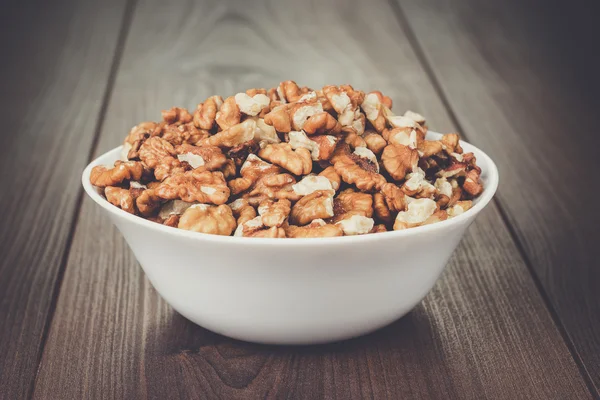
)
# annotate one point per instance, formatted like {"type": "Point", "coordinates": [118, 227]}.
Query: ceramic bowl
{"type": "Point", "coordinates": [294, 291]}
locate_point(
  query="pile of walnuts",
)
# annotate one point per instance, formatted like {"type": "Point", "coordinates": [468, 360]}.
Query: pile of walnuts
{"type": "Point", "coordinates": [291, 162]}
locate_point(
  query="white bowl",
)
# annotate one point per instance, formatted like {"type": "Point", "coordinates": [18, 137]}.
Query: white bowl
{"type": "Point", "coordinates": [294, 291]}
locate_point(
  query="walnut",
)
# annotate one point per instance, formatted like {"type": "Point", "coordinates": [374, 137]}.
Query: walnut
{"type": "Point", "coordinates": [184, 133]}
{"type": "Point", "coordinates": [154, 150]}
{"type": "Point", "coordinates": [274, 212]}
{"type": "Point", "coordinates": [321, 123]}
{"type": "Point", "coordinates": [241, 152]}
{"type": "Point", "coordinates": [264, 133]}
{"type": "Point", "coordinates": [177, 115]}
{"type": "Point", "coordinates": [398, 160]}
{"type": "Point", "coordinates": [234, 135]}
{"type": "Point", "coordinates": [280, 118]}
{"type": "Point", "coordinates": [251, 105]}
{"type": "Point", "coordinates": [252, 170]}
{"type": "Point", "coordinates": [254, 91]}
{"type": "Point", "coordinates": [389, 202]}
{"type": "Point", "coordinates": [312, 183]}
{"type": "Point", "coordinates": [354, 140]}
{"type": "Point", "coordinates": [418, 118]}
{"type": "Point", "coordinates": [173, 207]}
{"type": "Point", "coordinates": [209, 157]}
{"type": "Point", "coordinates": [136, 137]}
{"type": "Point", "coordinates": [403, 136]}
{"type": "Point", "coordinates": [444, 191]}
{"type": "Point", "coordinates": [385, 100]}
{"type": "Point", "coordinates": [317, 228]}
{"type": "Point", "coordinates": [229, 114]}
{"type": "Point", "coordinates": [360, 170]}
{"type": "Point", "coordinates": [350, 202]}
{"type": "Point", "coordinates": [459, 208]}
{"type": "Point", "coordinates": [472, 184]}
{"type": "Point", "coordinates": [169, 166]}
{"type": "Point", "coordinates": [205, 114]}
{"type": "Point", "coordinates": [122, 198]}
{"type": "Point", "coordinates": [345, 100]}
{"type": "Point", "coordinates": [428, 148]}
{"type": "Point", "coordinates": [373, 110]}
{"type": "Point", "coordinates": [278, 186]}
{"type": "Point", "coordinates": [197, 185]}
{"type": "Point", "coordinates": [289, 92]}
{"type": "Point", "coordinates": [354, 224]}
{"type": "Point", "coordinates": [451, 143]}
{"type": "Point", "coordinates": [381, 209]}
{"type": "Point", "coordinates": [417, 186]}
{"type": "Point", "coordinates": [374, 141]}
{"type": "Point", "coordinates": [321, 147]}
{"type": "Point", "coordinates": [378, 228]}
{"type": "Point", "coordinates": [298, 162]}
{"type": "Point", "coordinates": [318, 204]}
{"type": "Point", "coordinates": [454, 170]}
{"type": "Point", "coordinates": [242, 210]}
{"type": "Point", "coordinates": [301, 112]}
{"type": "Point", "coordinates": [333, 177]}
{"type": "Point", "coordinates": [216, 220]}
{"type": "Point", "coordinates": [102, 176]}
{"type": "Point", "coordinates": [255, 228]}
{"type": "Point", "coordinates": [419, 213]}
{"type": "Point", "coordinates": [148, 202]}
{"type": "Point", "coordinates": [229, 169]}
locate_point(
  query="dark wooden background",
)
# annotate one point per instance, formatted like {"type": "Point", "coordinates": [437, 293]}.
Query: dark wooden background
{"type": "Point", "coordinates": [515, 315]}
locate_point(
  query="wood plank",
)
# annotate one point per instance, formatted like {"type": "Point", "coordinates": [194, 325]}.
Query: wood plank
{"type": "Point", "coordinates": [482, 332]}
{"type": "Point", "coordinates": [522, 89]}
{"type": "Point", "coordinates": [53, 81]}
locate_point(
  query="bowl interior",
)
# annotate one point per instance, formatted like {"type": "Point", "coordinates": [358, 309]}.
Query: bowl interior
{"type": "Point", "coordinates": [489, 177]}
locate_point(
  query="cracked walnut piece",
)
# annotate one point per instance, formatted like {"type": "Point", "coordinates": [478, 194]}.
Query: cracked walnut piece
{"type": "Point", "coordinates": [291, 161]}
{"type": "Point", "coordinates": [122, 171]}
{"type": "Point", "coordinates": [216, 220]}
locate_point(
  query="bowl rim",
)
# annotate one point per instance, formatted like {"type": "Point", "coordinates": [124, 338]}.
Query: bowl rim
{"type": "Point", "coordinates": [489, 175]}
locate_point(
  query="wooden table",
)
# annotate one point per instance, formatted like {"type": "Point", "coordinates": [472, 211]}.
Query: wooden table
{"type": "Point", "coordinates": [515, 315]}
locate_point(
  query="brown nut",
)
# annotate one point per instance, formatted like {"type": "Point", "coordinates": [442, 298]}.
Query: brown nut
{"type": "Point", "coordinates": [354, 140]}
{"type": "Point", "coordinates": [148, 202]}
{"type": "Point", "coordinates": [241, 152]}
{"type": "Point", "coordinates": [288, 92]}
{"type": "Point", "coordinates": [252, 170]}
{"type": "Point", "coordinates": [122, 198]}
{"type": "Point", "coordinates": [321, 147]}
{"type": "Point", "coordinates": [333, 177]}
{"type": "Point", "coordinates": [298, 162]}
{"type": "Point", "coordinates": [472, 184]}
{"type": "Point", "coordinates": [177, 115]}
{"type": "Point", "coordinates": [274, 212]}
{"type": "Point", "coordinates": [255, 228]}
{"type": "Point", "coordinates": [277, 186]}
{"type": "Point", "coordinates": [428, 148]}
{"type": "Point", "coordinates": [252, 105]}
{"type": "Point", "coordinates": [361, 169]}
{"type": "Point", "coordinates": [321, 123]}
{"type": "Point", "coordinates": [229, 114]}
{"type": "Point", "coordinates": [459, 208]}
{"type": "Point", "coordinates": [102, 176]}
{"type": "Point", "coordinates": [373, 110]}
{"type": "Point", "coordinates": [351, 202]}
{"type": "Point", "coordinates": [242, 210]}
{"type": "Point", "coordinates": [195, 186]}
{"type": "Point", "coordinates": [216, 220]}
{"type": "Point", "coordinates": [378, 228]}
{"type": "Point", "coordinates": [398, 160]}
{"type": "Point", "coordinates": [451, 143]}
{"type": "Point", "coordinates": [317, 205]}
{"type": "Point", "coordinates": [418, 213]}
{"type": "Point", "coordinates": [232, 136]}
{"type": "Point", "coordinates": [416, 185]}
{"type": "Point", "coordinates": [374, 141]}
{"type": "Point", "coordinates": [279, 118]}
{"type": "Point", "coordinates": [206, 113]}
{"type": "Point", "coordinates": [208, 157]}
{"type": "Point", "coordinates": [137, 135]}
{"type": "Point", "coordinates": [317, 228]}
{"type": "Point", "coordinates": [265, 133]}
{"type": "Point", "coordinates": [154, 150]}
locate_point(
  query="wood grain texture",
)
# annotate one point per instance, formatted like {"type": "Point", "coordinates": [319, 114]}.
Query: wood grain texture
{"type": "Point", "coordinates": [521, 87]}
{"type": "Point", "coordinates": [483, 332]}
{"type": "Point", "coordinates": [52, 82]}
